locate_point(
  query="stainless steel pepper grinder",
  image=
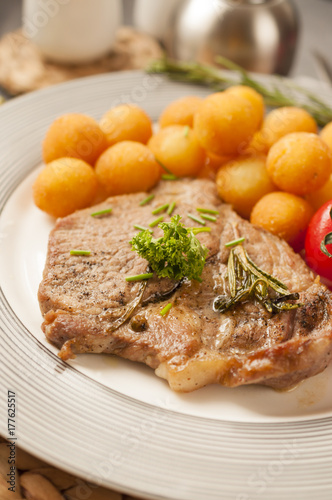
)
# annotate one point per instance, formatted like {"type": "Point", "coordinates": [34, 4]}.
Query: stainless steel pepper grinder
{"type": "Point", "coordinates": [259, 35]}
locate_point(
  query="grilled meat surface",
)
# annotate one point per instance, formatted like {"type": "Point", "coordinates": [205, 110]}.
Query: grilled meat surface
{"type": "Point", "coordinates": [83, 298]}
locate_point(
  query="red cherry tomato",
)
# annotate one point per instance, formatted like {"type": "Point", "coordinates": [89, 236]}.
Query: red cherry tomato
{"type": "Point", "coordinates": [319, 226]}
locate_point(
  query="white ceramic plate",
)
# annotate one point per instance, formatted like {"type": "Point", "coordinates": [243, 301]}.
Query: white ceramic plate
{"type": "Point", "coordinates": [114, 422]}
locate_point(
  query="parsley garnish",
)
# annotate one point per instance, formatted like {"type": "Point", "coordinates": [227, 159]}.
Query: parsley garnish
{"type": "Point", "coordinates": [175, 255]}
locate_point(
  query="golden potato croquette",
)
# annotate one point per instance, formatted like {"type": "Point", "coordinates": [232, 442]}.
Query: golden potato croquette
{"type": "Point", "coordinates": [283, 121]}
{"type": "Point", "coordinates": [243, 182]}
{"type": "Point", "coordinates": [321, 196]}
{"type": "Point", "coordinates": [256, 146]}
{"type": "Point", "coordinates": [76, 136]}
{"type": "Point", "coordinates": [126, 122]}
{"type": "Point", "coordinates": [299, 163]}
{"type": "Point", "coordinates": [65, 185]}
{"type": "Point", "coordinates": [127, 167]}
{"type": "Point", "coordinates": [215, 162]}
{"type": "Point", "coordinates": [180, 112]}
{"type": "Point", "coordinates": [284, 215]}
{"type": "Point", "coordinates": [253, 97]}
{"type": "Point", "coordinates": [224, 122]}
{"type": "Point", "coordinates": [178, 149]}
{"type": "Point", "coordinates": [326, 135]}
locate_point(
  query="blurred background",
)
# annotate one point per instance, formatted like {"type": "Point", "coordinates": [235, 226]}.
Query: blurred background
{"type": "Point", "coordinates": [288, 37]}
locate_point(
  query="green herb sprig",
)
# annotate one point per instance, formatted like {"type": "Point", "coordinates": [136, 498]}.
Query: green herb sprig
{"type": "Point", "coordinates": [146, 200]}
{"type": "Point", "coordinates": [102, 212]}
{"type": "Point", "coordinates": [177, 254]}
{"type": "Point", "coordinates": [80, 252]}
{"type": "Point", "coordinates": [166, 309]}
{"type": "Point", "coordinates": [171, 208]}
{"type": "Point", "coordinates": [246, 280]}
{"type": "Point", "coordinates": [280, 92]}
{"type": "Point", "coordinates": [139, 277]}
{"type": "Point", "coordinates": [326, 241]}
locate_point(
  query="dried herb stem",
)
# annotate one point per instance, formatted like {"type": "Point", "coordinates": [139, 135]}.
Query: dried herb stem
{"type": "Point", "coordinates": [246, 280]}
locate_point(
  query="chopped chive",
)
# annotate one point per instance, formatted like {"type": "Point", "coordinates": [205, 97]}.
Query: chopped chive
{"type": "Point", "coordinates": [163, 166]}
{"type": "Point", "coordinates": [196, 219]}
{"type": "Point", "coordinates": [196, 230]}
{"type": "Point", "coordinates": [164, 311]}
{"type": "Point", "coordinates": [101, 212]}
{"type": "Point", "coordinates": [209, 217]}
{"type": "Point", "coordinates": [156, 221]}
{"type": "Point", "coordinates": [169, 177]}
{"type": "Point", "coordinates": [139, 277]}
{"type": "Point", "coordinates": [80, 252]}
{"type": "Point", "coordinates": [207, 211]}
{"type": "Point", "coordinates": [234, 242]}
{"type": "Point", "coordinates": [146, 200]}
{"type": "Point", "coordinates": [162, 208]}
{"type": "Point", "coordinates": [186, 131]}
{"type": "Point", "coordinates": [141, 228]}
{"type": "Point", "coordinates": [171, 208]}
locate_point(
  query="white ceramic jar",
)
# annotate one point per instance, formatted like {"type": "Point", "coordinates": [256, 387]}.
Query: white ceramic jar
{"type": "Point", "coordinates": [72, 31]}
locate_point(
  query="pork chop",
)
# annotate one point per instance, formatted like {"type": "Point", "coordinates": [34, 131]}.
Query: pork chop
{"type": "Point", "coordinates": [83, 298]}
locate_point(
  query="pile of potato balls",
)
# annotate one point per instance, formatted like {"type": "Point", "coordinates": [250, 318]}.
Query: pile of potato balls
{"type": "Point", "coordinates": [274, 169]}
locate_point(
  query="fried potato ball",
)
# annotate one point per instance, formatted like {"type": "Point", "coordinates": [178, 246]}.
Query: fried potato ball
{"type": "Point", "coordinates": [178, 148]}
{"type": "Point", "coordinates": [324, 194]}
{"type": "Point", "coordinates": [224, 122]}
{"type": "Point", "coordinates": [280, 122]}
{"type": "Point", "coordinates": [207, 173]}
{"type": "Point", "coordinates": [243, 182]}
{"type": "Point", "coordinates": [256, 146]}
{"type": "Point", "coordinates": [253, 97]}
{"type": "Point", "coordinates": [126, 122]}
{"type": "Point", "coordinates": [65, 185]}
{"type": "Point", "coordinates": [326, 135]}
{"type": "Point", "coordinates": [299, 163]}
{"type": "Point", "coordinates": [180, 112]}
{"type": "Point", "coordinates": [284, 215]}
{"type": "Point", "coordinates": [127, 167]}
{"type": "Point", "coordinates": [215, 162]}
{"type": "Point", "coordinates": [76, 136]}
{"type": "Point", "coordinates": [321, 196]}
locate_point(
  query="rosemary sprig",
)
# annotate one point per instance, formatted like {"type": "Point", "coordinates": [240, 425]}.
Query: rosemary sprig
{"type": "Point", "coordinates": [128, 311]}
{"type": "Point", "coordinates": [280, 92]}
{"type": "Point", "coordinates": [246, 280]}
